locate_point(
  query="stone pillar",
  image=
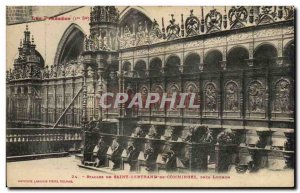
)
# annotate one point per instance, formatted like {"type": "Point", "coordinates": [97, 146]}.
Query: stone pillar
{"type": "Point", "coordinates": [29, 103]}
{"type": "Point", "coordinates": [100, 63]}
{"type": "Point", "coordinates": [223, 64]}
{"type": "Point", "coordinates": [251, 52]}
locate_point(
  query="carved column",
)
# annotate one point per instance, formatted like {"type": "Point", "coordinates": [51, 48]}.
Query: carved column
{"type": "Point", "coordinates": [55, 99]}
{"type": "Point", "coordinates": [251, 50]}
{"type": "Point", "coordinates": [73, 106]}
{"type": "Point", "coordinates": [201, 65]}
{"type": "Point", "coordinates": [29, 103]}
{"type": "Point", "coordinates": [100, 63]}
{"type": "Point", "coordinates": [84, 98]}
{"type": "Point", "coordinates": [280, 58]}
{"type": "Point", "coordinates": [63, 100]}
{"type": "Point", "coordinates": [47, 104]}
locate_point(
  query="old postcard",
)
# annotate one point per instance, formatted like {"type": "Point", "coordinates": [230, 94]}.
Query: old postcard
{"type": "Point", "coordinates": [166, 97]}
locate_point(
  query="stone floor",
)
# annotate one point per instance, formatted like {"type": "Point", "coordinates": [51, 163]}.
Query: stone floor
{"type": "Point", "coordinates": [64, 172]}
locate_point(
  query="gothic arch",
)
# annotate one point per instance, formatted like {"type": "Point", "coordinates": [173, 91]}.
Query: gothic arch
{"type": "Point", "coordinates": [70, 44]}
{"type": "Point", "coordinates": [132, 16]}
{"type": "Point", "coordinates": [128, 10]}
{"type": "Point", "coordinates": [173, 87]}
{"type": "Point", "coordinates": [191, 84]}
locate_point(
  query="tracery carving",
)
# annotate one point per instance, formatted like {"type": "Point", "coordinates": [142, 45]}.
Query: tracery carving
{"type": "Point", "coordinates": [237, 17]}
{"type": "Point", "coordinates": [266, 15]}
{"type": "Point", "coordinates": [289, 12]}
{"type": "Point", "coordinates": [127, 39]}
{"type": "Point", "coordinates": [155, 33]}
{"type": "Point", "coordinates": [173, 29]}
{"type": "Point", "coordinates": [192, 25]}
{"type": "Point", "coordinates": [141, 35]}
{"type": "Point", "coordinates": [213, 21]}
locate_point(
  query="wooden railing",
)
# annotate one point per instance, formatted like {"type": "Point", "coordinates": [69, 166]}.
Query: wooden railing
{"type": "Point", "coordinates": [30, 141]}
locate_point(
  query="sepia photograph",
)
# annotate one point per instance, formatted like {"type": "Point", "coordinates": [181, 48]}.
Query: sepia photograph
{"type": "Point", "coordinates": [150, 96]}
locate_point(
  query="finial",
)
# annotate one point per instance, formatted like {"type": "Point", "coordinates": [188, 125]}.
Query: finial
{"type": "Point", "coordinates": [32, 39]}
{"type": "Point", "coordinates": [191, 11]}
{"type": "Point", "coordinates": [26, 27]}
{"type": "Point", "coordinates": [172, 15]}
{"type": "Point", "coordinates": [21, 43]}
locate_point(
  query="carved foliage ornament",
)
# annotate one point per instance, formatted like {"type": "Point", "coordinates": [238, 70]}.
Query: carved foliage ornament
{"type": "Point", "coordinates": [141, 35]}
{"type": "Point", "coordinates": [213, 21]}
{"type": "Point", "coordinates": [237, 17]}
{"type": "Point", "coordinates": [289, 12]}
{"type": "Point", "coordinates": [173, 29]}
{"type": "Point", "coordinates": [266, 15]}
{"type": "Point", "coordinates": [155, 32]}
{"type": "Point", "coordinates": [127, 39]}
{"type": "Point", "coordinates": [192, 25]}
